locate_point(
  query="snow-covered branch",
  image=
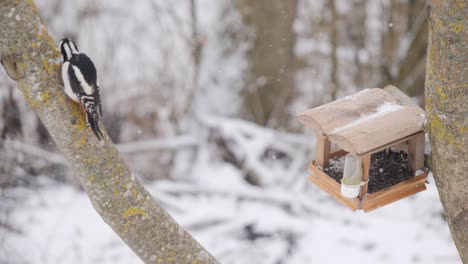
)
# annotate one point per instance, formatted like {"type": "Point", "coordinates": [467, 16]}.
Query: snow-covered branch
{"type": "Point", "coordinates": [174, 143]}
{"type": "Point", "coordinates": [36, 152]}
{"type": "Point", "coordinates": [265, 155]}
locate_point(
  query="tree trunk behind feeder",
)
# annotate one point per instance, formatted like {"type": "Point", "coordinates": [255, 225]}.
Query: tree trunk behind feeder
{"type": "Point", "coordinates": [446, 108]}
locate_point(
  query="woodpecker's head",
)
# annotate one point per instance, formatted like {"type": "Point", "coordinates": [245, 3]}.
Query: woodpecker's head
{"type": "Point", "coordinates": [68, 47]}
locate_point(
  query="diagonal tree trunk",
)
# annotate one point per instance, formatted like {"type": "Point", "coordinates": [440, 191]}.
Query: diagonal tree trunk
{"type": "Point", "coordinates": [447, 112]}
{"type": "Point", "coordinates": [30, 57]}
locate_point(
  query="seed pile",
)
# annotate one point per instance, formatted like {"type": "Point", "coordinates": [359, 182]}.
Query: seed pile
{"type": "Point", "coordinates": [387, 169]}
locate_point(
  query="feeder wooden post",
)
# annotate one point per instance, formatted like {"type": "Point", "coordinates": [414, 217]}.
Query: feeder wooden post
{"type": "Point", "coordinates": [322, 151]}
{"type": "Point", "coordinates": [365, 164]}
{"type": "Point", "coordinates": [416, 152]}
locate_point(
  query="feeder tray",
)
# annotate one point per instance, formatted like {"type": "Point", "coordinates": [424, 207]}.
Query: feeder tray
{"type": "Point", "coordinates": [362, 124]}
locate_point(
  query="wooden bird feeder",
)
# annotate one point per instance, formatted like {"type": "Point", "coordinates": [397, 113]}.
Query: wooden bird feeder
{"type": "Point", "coordinates": [369, 127]}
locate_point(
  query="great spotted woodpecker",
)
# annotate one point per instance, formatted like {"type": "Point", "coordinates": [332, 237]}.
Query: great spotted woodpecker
{"type": "Point", "coordinates": [81, 83]}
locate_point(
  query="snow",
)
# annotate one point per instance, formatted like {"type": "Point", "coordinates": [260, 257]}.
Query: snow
{"type": "Point", "coordinates": [418, 172]}
{"type": "Point", "coordinates": [284, 219]}
{"type": "Point", "coordinates": [384, 109]}
{"type": "Point", "coordinates": [388, 107]}
{"type": "Point", "coordinates": [337, 164]}
{"type": "Point", "coordinates": [284, 225]}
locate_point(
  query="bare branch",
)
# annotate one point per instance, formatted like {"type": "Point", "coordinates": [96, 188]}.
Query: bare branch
{"type": "Point", "coordinates": [173, 143]}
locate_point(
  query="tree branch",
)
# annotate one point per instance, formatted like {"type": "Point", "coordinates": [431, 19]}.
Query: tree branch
{"type": "Point", "coordinates": [30, 57]}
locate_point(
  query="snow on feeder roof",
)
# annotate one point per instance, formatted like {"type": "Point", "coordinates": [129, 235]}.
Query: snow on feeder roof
{"type": "Point", "coordinates": [374, 129]}
{"type": "Point", "coordinates": [366, 121]}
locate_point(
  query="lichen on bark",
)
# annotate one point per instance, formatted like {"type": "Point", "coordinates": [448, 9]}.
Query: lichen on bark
{"type": "Point", "coordinates": [447, 112]}
{"type": "Point", "coordinates": [30, 57]}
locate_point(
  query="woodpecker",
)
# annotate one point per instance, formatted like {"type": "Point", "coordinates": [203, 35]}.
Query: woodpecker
{"type": "Point", "coordinates": [81, 83]}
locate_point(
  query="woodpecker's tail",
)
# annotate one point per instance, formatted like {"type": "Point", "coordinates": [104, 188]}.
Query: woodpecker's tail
{"type": "Point", "coordinates": [93, 122]}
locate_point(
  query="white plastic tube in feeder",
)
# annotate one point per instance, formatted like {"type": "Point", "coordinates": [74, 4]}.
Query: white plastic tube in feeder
{"type": "Point", "coordinates": [352, 177]}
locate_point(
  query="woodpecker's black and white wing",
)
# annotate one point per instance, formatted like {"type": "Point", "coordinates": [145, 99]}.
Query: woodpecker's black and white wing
{"type": "Point", "coordinates": [84, 85]}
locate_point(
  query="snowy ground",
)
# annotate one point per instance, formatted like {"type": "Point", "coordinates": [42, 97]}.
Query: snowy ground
{"type": "Point", "coordinates": [237, 223]}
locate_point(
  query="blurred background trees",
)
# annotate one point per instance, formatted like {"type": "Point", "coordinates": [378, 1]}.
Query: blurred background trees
{"type": "Point", "coordinates": [269, 85]}
{"type": "Point", "coordinates": [162, 64]}
{"type": "Point", "coordinates": [263, 60]}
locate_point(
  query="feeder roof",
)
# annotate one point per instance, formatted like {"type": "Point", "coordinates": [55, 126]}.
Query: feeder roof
{"type": "Point", "coordinates": [366, 121]}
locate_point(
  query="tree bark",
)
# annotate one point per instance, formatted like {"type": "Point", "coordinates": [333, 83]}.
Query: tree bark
{"type": "Point", "coordinates": [411, 74]}
{"type": "Point", "coordinates": [447, 112]}
{"type": "Point", "coordinates": [357, 21]}
{"type": "Point", "coordinates": [334, 48]}
{"type": "Point", "coordinates": [270, 85]}
{"type": "Point", "coordinates": [30, 57]}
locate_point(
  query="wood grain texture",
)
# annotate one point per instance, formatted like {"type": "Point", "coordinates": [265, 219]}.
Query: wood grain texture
{"type": "Point", "coordinates": [370, 135]}
{"type": "Point", "coordinates": [363, 122]}
{"type": "Point", "coordinates": [365, 164]}
{"type": "Point", "coordinates": [322, 151]}
{"type": "Point", "coordinates": [401, 97]}
{"type": "Point", "coordinates": [330, 186]}
{"type": "Point", "coordinates": [416, 152]}
{"type": "Point", "coordinates": [366, 201]}
{"type": "Point", "coordinates": [326, 118]}
{"type": "Point", "coordinates": [372, 201]}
